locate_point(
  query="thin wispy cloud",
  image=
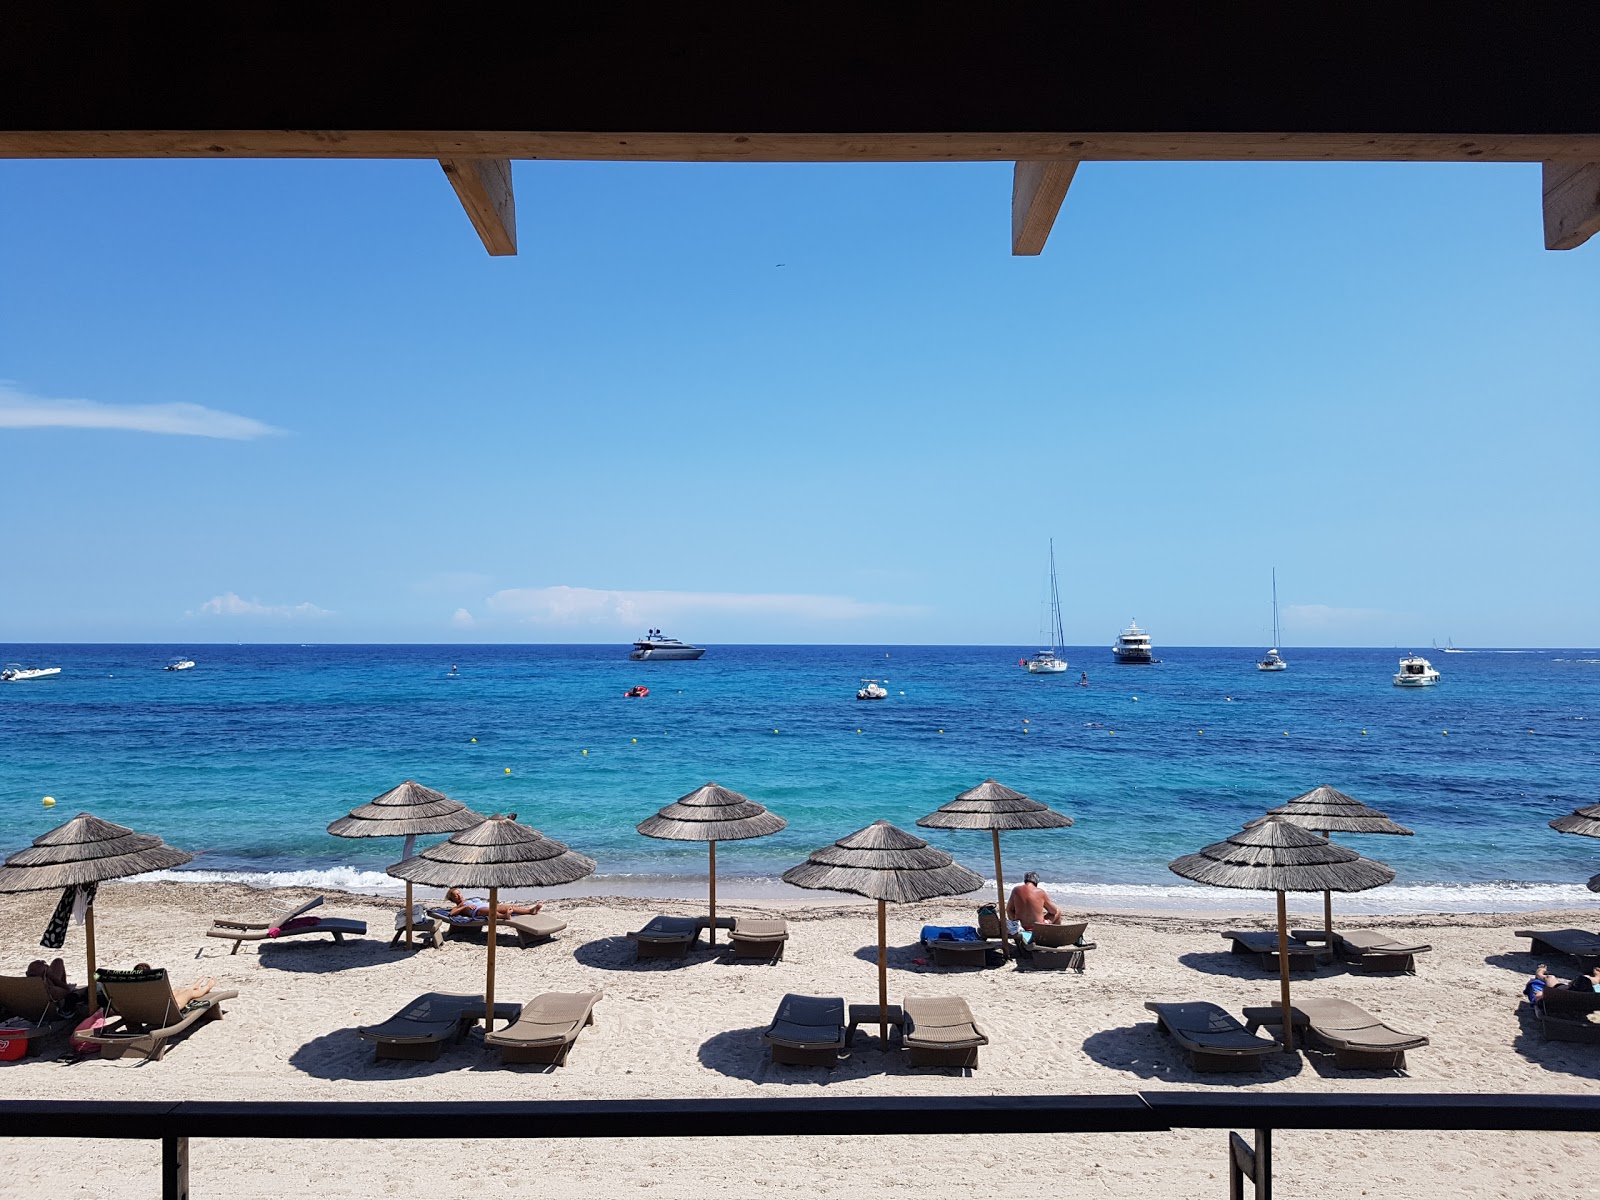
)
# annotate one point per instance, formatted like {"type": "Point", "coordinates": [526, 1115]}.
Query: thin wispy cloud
{"type": "Point", "coordinates": [19, 410]}
{"type": "Point", "coordinates": [562, 605]}
{"type": "Point", "coordinates": [462, 619]}
{"type": "Point", "coordinates": [231, 604]}
{"type": "Point", "coordinates": [1327, 616]}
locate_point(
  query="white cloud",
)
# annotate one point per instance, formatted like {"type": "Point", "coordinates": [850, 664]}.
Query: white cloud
{"type": "Point", "coordinates": [231, 604]}
{"type": "Point", "coordinates": [462, 619]}
{"type": "Point", "coordinates": [1326, 616]}
{"type": "Point", "coordinates": [564, 605]}
{"type": "Point", "coordinates": [18, 410]}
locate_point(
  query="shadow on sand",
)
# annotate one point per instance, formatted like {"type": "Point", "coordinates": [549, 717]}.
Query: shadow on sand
{"type": "Point", "coordinates": [343, 1055]}
{"type": "Point", "coordinates": [1144, 1051]}
{"type": "Point", "coordinates": [741, 1054]}
{"type": "Point", "coordinates": [617, 954]}
{"type": "Point", "coordinates": [1561, 1058]}
{"type": "Point", "coordinates": [322, 957]}
{"type": "Point", "coordinates": [1239, 966]}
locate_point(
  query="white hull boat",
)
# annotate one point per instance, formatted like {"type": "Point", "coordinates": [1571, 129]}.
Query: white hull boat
{"type": "Point", "coordinates": [653, 647]}
{"type": "Point", "coordinates": [1133, 646]}
{"type": "Point", "coordinates": [180, 664]}
{"type": "Point", "coordinates": [15, 673]}
{"type": "Point", "coordinates": [1415, 671]}
{"type": "Point", "coordinates": [871, 689]}
{"type": "Point", "coordinates": [1048, 662]}
{"type": "Point", "coordinates": [1272, 660]}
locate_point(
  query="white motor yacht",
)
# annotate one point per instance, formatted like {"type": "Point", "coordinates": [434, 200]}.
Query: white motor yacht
{"type": "Point", "coordinates": [1133, 646]}
{"type": "Point", "coordinates": [180, 664]}
{"type": "Point", "coordinates": [1415, 671]}
{"type": "Point", "coordinates": [17, 673]}
{"type": "Point", "coordinates": [1047, 662]}
{"type": "Point", "coordinates": [653, 646]}
{"type": "Point", "coordinates": [871, 689]}
{"type": "Point", "coordinates": [1272, 660]}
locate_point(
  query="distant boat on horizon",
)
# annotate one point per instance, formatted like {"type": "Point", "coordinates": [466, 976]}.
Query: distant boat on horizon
{"type": "Point", "coordinates": [1046, 662]}
{"type": "Point", "coordinates": [1133, 647]}
{"type": "Point", "coordinates": [179, 664]}
{"type": "Point", "coordinates": [653, 646]}
{"type": "Point", "coordinates": [1272, 660]}
{"type": "Point", "coordinates": [1415, 671]}
{"type": "Point", "coordinates": [17, 673]}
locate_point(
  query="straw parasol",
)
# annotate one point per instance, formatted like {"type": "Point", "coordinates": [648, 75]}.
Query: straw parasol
{"type": "Point", "coordinates": [495, 853]}
{"type": "Point", "coordinates": [406, 811]}
{"type": "Point", "coordinates": [995, 807]}
{"type": "Point", "coordinates": [888, 865]}
{"type": "Point", "coordinates": [1585, 822]}
{"type": "Point", "coordinates": [1276, 856]}
{"type": "Point", "coordinates": [1328, 811]}
{"type": "Point", "coordinates": [85, 851]}
{"type": "Point", "coordinates": [711, 814]}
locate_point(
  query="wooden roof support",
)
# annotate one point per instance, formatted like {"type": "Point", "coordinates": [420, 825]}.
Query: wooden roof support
{"type": "Point", "coordinates": [484, 186]}
{"type": "Point", "coordinates": [1037, 189]}
{"type": "Point", "coordinates": [1571, 204]}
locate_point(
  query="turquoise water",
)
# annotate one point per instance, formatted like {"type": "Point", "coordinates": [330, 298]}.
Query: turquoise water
{"type": "Point", "coordinates": [250, 755]}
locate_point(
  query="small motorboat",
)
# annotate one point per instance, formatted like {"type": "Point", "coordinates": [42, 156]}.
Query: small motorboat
{"type": "Point", "coordinates": [17, 673]}
{"type": "Point", "coordinates": [180, 664]}
{"type": "Point", "coordinates": [1415, 671]}
{"type": "Point", "coordinates": [871, 689]}
{"type": "Point", "coordinates": [636, 691]}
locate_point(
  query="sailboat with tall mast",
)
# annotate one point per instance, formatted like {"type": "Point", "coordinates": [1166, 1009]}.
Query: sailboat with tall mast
{"type": "Point", "coordinates": [1272, 660]}
{"type": "Point", "coordinates": [1046, 662]}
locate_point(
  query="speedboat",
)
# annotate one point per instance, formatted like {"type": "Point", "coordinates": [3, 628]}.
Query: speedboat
{"type": "Point", "coordinates": [637, 691]}
{"type": "Point", "coordinates": [871, 689]}
{"type": "Point", "coordinates": [180, 664]}
{"type": "Point", "coordinates": [654, 646]}
{"type": "Point", "coordinates": [1415, 671]}
{"type": "Point", "coordinates": [1133, 646]}
{"type": "Point", "coordinates": [1047, 662]}
{"type": "Point", "coordinates": [16, 673]}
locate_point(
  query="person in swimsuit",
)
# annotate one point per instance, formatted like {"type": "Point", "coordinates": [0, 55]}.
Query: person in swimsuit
{"type": "Point", "coordinates": [54, 974]}
{"type": "Point", "coordinates": [1030, 905]}
{"type": "Point", "coordinates": [478, 908]}
{"type": "Point", "coordinates": [185, 996]}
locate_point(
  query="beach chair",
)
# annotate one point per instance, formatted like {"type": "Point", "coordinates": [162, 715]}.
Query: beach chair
{"type": "Point", "coordinates": [425, 1026]}
{"type": "Point", "coordinates": [531, 930]}
{"type": "Point", "coordinates": [807, 1031]}
{"type": "Point", "coordinates": [1359, 1041]}
{"type": "Point", "coordinates": [547, 1028]}
{"type": "Point", "coordinates": [1055, 947]}
{"type": "Point", "coordinates": [28, 1012]}
{"type": "Point", "coordinates": [142, 1014]}
{"type": "Point", "coordinates": [667, 937]}
{"type": "Point", "coordinates": [760, 940]}
{"type": "Point", "coordinates": [1370, 949]}
{"type": "Point", "coordinates": [1263, 947]}
{"type": "Point", "coordinates": [956, 945]}
{"type": "Point", "coordinates": [292, 924]}
{"type": "Point", "coordinates": [425, 927]}
{"type": "Point", "coordinates": [939, 1031]}
{"type": "Point", "coordinates": [1574, 943]}
{"type": "Point", "coordinates": [1211, 1038]}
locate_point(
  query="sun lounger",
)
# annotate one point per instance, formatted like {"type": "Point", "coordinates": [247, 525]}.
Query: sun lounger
{"type": "Point", "coordinates": [425, 1026]}
{"type": "Point", "coordinates": [763, 940]}
{"type": "Point", "coordinates": [531, 930]}
{"type": "Point", "coordinates": [292, 924]}
{"type": "Point", "coordinates": [807, 1031]}
{"type": "Point", "coordinates": [547, 1028]}
{"type": "Point", "coordinates": [1575, 943]}
{"type": "Point", "coordinates": [1263, 947]}
{"type": "Point", "coordinates": [142, 1014]}
{"type": "Point", "coordinates": [1212, 1038]}
{"type": "Point", "coordinates": [1055, 947]}
{"type": "Point", "coordinates": [667, 937]}
{"type": "Point", "coordinates": [939, 1031]}
{"type": "Point", "coordinates": [1359, 1040]}
{"type": "Point", "coordinates": [1568, 1016]}
{"type": "Point", "coordinates": [1370, 949]}
{"type": "Point", "coordinates": [28, 1012]}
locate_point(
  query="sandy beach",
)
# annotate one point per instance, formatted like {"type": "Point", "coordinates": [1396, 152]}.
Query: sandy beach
{"type": "Point", "coordinates": [692, 1029]}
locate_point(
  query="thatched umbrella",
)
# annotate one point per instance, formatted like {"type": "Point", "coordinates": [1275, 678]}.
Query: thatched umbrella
{"type": "Point", "coordinates": [1586, 823]}
{"type": "Point", "coordinates": [711, 814]}
{"type": "Point", "coordinates": [495, 853]}
{"type": "Point", "coordinates": [1276, 856]}
{"type": "Point", "coordinates": [1328, 811]}
{"type": "Point", "coordinates": [84, 852]}
{"type": "Point", "coordinates": [406, 811]}
{"type": "Point", "coordinates": [995, 807]}
{"type": "Point", "coordinates": [888, 865]}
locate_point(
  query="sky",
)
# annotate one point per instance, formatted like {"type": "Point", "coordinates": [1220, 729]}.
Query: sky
{"type": "Point", "coordinates": [296, 401]}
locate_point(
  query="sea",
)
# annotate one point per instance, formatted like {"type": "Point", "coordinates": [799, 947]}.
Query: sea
{"type": "Point", "coordinates": [245, 759]}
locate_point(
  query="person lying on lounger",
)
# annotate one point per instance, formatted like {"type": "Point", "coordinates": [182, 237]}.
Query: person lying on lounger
{"type": "Point", "coordinates": [1030, 905]}
{"type": "Point", "coordinates": [478, 908]}
{"type": "Point", "coordinates": [185, 996]}
{"type": "Point", "coordinates": [54, 974]}
{"type": "Point", "coordinates": [1588, 982]}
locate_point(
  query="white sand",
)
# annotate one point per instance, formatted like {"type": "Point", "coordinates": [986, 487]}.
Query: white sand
{"type": "Point", "coordinates": [670, 1029]}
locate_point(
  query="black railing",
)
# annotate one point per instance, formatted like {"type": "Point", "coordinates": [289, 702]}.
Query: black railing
{"type": "Point", "coordinates": [173, 1123]}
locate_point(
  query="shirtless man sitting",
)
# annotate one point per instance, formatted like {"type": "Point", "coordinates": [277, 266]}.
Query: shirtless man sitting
{"type": "Point", "coordinates": [1030, 905]}
{"type": "Point", "coordinates": [478, 908]}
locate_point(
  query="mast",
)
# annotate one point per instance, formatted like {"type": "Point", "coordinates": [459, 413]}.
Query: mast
{"type": "Point", "coordinates": [1275, 638]}
{"type": "Point", "coordinates": [1057, 636]}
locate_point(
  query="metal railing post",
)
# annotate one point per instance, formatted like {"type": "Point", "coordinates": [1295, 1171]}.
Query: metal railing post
{"type": "Point", "coordinates": [174, 1167]}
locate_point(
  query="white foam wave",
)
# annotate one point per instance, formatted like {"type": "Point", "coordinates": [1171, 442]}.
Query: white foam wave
{"type": "Point", "coordinates": [341, 879]}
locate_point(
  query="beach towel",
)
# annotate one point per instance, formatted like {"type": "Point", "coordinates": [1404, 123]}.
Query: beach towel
{"type": "Point", "coordinates": [443, 914]}
{"type": "Point", "coordinates": [950, 933]}
{"type": "Point", "coordinates": [73, 904]}
{"type": "Point", "coordinates": [291, 926]}
{"type": "Point", "coordinates": [90, 1024]}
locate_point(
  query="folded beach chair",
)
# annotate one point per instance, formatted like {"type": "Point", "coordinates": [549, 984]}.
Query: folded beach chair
{"type": "Point", "coordinates": [762, 940]}
{"type": "Point", "coordinates": [423, 1028]}
{"type": "Point", "coordinates": [28, 1012]}
{"type": "Point", "coordinates": [142, 1014]}
{"type": "Point", "coordinates": [1055, 947]}
{"type": "Point", "coordinates": [1212, 1039]}
{"type": "Point", "coordinates": [291, 924]}
{"type": "Point", "coordinates": [1263, 947]}
{"type": "Point", "coordinates": [1568, 1016]}
{"type": "Point", "coordinates": [807, 1031]}
{"type": "Point", "coordinates": [1371, 949]}
{"type": "Point", "coordinates": [939, 1032]}
{"type": "Point", "coordinates": [1359, 1040]}
{"type": "Point", "coordinates": [1575, 943]}
{"type": "Point", "coordinates": [530, 930]}
{"type": "Point", "coordinates": [547, 1028]}
{"type": "Point", "coordinates": [425, 927]}
{"type": "Point", "coordinates": [667, 937]}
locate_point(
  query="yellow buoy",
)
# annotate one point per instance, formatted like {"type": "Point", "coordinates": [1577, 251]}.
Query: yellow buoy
{"type": "Point", "coordinates": [586, 752]}
{"type": "Point", "coordinates": [474, 741]}
{"type": "Point", "coordinates": [1446, 733]}
{"type": "Point", "coordinates": [635, 741]}
{"type": "Point", "coordinates": [1199, 730]}
{"type": "Point", "coordinates": [1112, 732]}
{"type": "Point", "coordinates": [1363, 733]}
{"type": "Point", "coordinates": [49, 802]}
{"type": "Point", "coordinates": [508, 770]}
{"type": "Point", "coordinates": [1285, 733]}
{"type": "Point", "coordinates": [858, 731]}
{"type": "Point", "coordinates": [774, 731]}
{"type": "Point", "coordinates": [941, 731]}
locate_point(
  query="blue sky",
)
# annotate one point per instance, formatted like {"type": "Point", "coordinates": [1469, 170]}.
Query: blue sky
{"type": "Point", "coordinates": [794, 403]}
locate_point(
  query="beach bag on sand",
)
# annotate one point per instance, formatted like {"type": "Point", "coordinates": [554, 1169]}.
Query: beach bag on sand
{"type": "Point", "coordinates": [93, 1023]}
{"type": "Point", "coordinates": [989, 921]}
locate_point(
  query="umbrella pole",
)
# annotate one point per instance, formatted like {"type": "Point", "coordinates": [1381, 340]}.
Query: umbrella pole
{"type": "Point", "coordinates": [408, 912]}
{"type": "Point", "coordinates": [999, 894]}
{"type": "Point", "coordinates": [88, 949]}
{"type": "Point", "coordinates": [1327, 918]}
{"type": "Point", "coordinates": [883, 979]}
{"type": "Point", "coordinates": [488, 990]}
{"type": "Point", "coordinates": [1283, 970]}
{"type": "Point", "coordinates": [713, 846]}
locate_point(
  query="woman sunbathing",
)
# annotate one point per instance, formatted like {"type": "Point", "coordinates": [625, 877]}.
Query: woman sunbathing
{"type": "Point", "coordinates": [54, 975]}
{"type": "Point", "coordinates": [478, 908]}
{"type": "Point", "coordinates": [185, 996]}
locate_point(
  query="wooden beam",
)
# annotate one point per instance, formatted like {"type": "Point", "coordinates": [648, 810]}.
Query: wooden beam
{"type": "Point", "coordinates": [800, 147]}
{"type": "Point", "coordinates": [1571, 204]}
{"type": "Point", "coordinates": [484, 186]}
{"type": "Point", "coordinates": [1037, 190]}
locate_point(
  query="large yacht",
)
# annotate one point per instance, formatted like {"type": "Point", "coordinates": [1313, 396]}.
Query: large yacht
{"type": "Point", "coordinates": [1415, 671]}
{"type": "Point", "coordinates": [17, 673]}
{"type": "Point", "coordinates": [653, 646]}
{"type": "Point", "coordinates": [1133, 646]}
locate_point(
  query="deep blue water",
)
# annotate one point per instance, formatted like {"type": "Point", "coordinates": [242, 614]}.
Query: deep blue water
{"type": "Point", "coordinates": [250, 755]}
